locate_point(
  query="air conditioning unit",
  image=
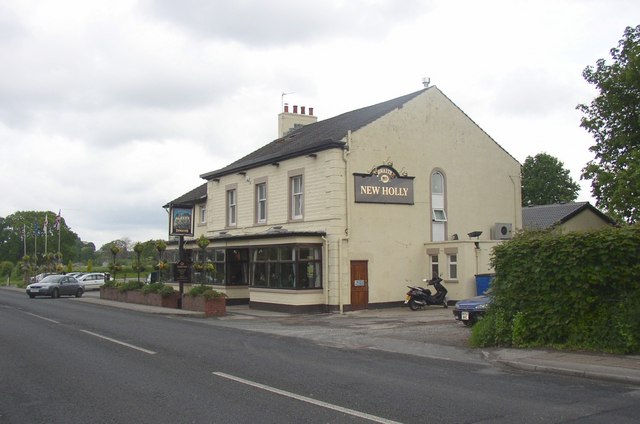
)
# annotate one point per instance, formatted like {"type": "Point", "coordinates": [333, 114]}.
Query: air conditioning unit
{"type": "Point", "coordinates": [502, 231]}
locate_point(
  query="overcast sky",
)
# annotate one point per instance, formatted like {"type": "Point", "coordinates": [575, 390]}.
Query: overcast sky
{"type": "Point", "coordinates": [110, 109]}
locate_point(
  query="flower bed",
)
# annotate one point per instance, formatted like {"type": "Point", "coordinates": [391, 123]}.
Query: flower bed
{"type": "Point", "coordinates": [137, 296]}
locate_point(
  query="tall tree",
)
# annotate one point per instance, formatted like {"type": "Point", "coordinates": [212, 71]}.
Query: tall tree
{"type": "Point", "coordinates": [30, 224]}
{"type": "Point", "coordinates": [545, 181]}
{"type": "Point", "coordinates": [613, 118]}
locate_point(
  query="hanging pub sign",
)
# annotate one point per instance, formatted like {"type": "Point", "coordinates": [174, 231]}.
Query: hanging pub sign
{"type": "Point", "coordinates": [181, 221]}
{"type": "Point", "coordinates": [383, 185]}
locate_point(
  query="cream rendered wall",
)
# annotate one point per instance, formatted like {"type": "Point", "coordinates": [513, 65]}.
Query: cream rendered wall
{"type": "Point", "coordinates": [428, 133]}
{"type": "Point", "coordinates": [472, 260]}
{"type": "Point", "coordinates": [199, 227]}
{"type": "Point", "coordinates": [584, 221]}
{"type": "Point", "coordinates": [324, 203]}
{"type": "Point", "coordinates": [324, 211]}
{"type": "Point", "coordinates": [482, 188]}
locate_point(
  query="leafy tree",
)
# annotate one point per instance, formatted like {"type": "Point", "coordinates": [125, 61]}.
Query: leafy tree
{"type": "Point", "coordinates": [16, 226]}
{"type": "Point", "coordinates": [613, 118]}
{"type": "Point", "coordinates": [545, 181]}
{"type": "Point", "coordinates": [6, 268]}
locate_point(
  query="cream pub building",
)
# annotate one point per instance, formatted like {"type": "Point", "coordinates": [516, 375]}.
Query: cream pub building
{"type": "Point", "coordinates": [342, 214]}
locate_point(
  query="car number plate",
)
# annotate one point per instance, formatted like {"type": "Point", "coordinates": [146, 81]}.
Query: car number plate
{"type": "Point", "coordinates": [464, 316]}
{"type": "Point", "coordinates": [407, 299]}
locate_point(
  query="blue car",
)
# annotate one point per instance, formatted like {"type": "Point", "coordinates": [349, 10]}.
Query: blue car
{"type": "Point", "coordinates": [469, 311]}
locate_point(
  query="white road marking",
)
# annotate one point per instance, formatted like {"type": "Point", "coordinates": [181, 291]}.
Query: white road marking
{"type": "Point", "coordinates": [307, 399]}
{"type": "Point", "coordinates": [150, 352]}
{"type": "Point", "coordinates": [44, 318]}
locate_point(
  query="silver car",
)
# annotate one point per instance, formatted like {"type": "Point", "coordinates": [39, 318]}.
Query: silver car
{"type": "Point", "coordinates": [55, 286]}
{"type": "Point", "coordinates": [92, 281]}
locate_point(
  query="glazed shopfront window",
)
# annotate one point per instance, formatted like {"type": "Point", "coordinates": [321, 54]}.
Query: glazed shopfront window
{"type": "Point", "coordinates": [237, 265]}
{"type": "Point", "coordinates": [210, 266]}
{"type": "Point", "coordinates": [286, 267]}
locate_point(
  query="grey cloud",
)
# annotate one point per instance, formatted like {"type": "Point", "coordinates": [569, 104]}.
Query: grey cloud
{"type": "Point", "coordinates": [273, 22]}
{"type": "Point", "coordinates": [532, 92]}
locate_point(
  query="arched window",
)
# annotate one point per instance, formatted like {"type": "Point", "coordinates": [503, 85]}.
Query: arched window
{"type": "Point", "coordinates": [437, 183]}
{"type": "Point", "coordinates": [438, 212]}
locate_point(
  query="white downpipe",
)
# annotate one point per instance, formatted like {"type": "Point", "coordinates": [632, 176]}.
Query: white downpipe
{"type": "Point", "coordinates": [344, 238]}
{"type": "Point", "coordinates": [515, 201]}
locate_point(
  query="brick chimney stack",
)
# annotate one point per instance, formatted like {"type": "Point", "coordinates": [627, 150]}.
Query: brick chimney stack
{"type": "Point", "coordinates": [288, 122]}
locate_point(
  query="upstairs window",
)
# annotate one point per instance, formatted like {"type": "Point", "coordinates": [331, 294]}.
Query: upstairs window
{"type": "Point", "coordinates": [297, 199]}
{"type": "Point", "coordinates": [438, 207]}
{"type": "Point", "coordinates": [203, 215]}
{"type": "Point", "coordinates": [261, 203]}
{"type": "Point", "coordinates": [231, 207]}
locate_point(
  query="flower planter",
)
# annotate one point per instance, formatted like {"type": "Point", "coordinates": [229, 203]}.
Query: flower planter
{"type": "Point", "coordinates": [112, 293]}
{"type": "Point", "coordinates": [216, 306]}
{"type": "Point", "coordinates": [136, 296]}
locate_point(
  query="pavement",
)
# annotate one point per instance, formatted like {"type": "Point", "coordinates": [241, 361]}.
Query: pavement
{"type": "Point", "coordinates": [430, 333]}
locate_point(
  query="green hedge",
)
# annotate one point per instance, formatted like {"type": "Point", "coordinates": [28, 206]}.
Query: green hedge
{"type": "Point", "coordinates": [161, 288]}
{"type": "Point", "coordinates": [205, 291]}
{"type": "Point", "coordinates": [578, 290]}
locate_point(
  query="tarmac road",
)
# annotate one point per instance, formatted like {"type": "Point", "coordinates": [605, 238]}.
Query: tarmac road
{"type": "Point", "coordinates": [431, 333]}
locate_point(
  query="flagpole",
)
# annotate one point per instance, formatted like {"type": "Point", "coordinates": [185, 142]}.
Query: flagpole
{"type": "Point", "coordinates": [35, 242]}
{"type": "Point", "coordinates": [58, 222]}
{"type": "Point", "coordinates": [46, 231]}
{"type": "Point", "coordinates": [24, 238]}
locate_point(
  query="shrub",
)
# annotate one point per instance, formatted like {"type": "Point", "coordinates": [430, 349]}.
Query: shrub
{"type": "Point", "coordinates": [575, 290]}
{"type": "Point", "coordinates": [130, 285]}
{"type": "Point", "coordinates": [110, 283]}
{"type": "Point", "coordinates": [161, 288]}
{"type": "Point", "coordinates": [205, 291]}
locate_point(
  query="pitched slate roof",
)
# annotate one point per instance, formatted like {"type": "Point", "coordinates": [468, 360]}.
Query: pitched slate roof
{"type": "Point", "coordinates": [547, 216]}
{"type": "Point", "coordinates": [315, 137]}
{"type": "Point", "coordinates": [197, 195]}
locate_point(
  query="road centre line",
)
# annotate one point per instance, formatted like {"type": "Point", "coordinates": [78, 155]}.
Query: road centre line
{"type": "Point", "coordinates": [307, 399]}
{"type": "Point", "coordinates": [150, 352]}
{"type": "Point", "coordinates": [44, 318]}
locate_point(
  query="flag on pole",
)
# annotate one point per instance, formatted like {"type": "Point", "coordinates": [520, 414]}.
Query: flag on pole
{"type": "Point", "coordinates": [35, 226]}
{"type": "Point", "coordinates": [46, 223]}
{"type": "Point", "coordinates": [24, 232]}
{"type": "Point", "coordinates": [58, 219]}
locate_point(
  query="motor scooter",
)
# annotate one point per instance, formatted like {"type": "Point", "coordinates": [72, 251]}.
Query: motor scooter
{"type": "Point", "coordinates": [419, 297]}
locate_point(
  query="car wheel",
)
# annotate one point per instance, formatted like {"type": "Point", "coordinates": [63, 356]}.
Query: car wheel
{"type": "Point", "coordinates": [79, 293]}
{"type": "Point", "coordinates": [413, 305]}
{"type": "Point", "coordinates": [55, 294]}
{"type": "Point", "coordinates": [32, 295]}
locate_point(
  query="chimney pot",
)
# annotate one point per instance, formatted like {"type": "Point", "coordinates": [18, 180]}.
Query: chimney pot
{"type": "Point", "coordinates": [295, 108]}
{"type": "Point", "coordinates": [302, 110]}
{"type": "Point", "coordinates": [310, 111]}
{"type": "Point", "coordinates": [286, 107]}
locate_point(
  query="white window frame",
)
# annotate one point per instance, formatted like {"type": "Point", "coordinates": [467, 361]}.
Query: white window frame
{"type": "Point", "coordinates": [232, 207]}
{"type": "Point", "coordinates": [203, 214]}
{"type": "Point", "coordinates": [438, 215]}
{"type": "Point", "coordinates": [452, 260]}
{"type": "Point", "coordinates": [435, 265]}
{"type": "Point", "coordinates": [261, 203]}
{"type": "Point", "coordinates": [297, 196]}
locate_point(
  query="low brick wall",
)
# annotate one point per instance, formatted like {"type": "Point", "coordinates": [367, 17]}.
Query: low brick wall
{"type": "Point", "coordinates": [211, 307]}
{"type": "Point", "coordinates": [136, 296]}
